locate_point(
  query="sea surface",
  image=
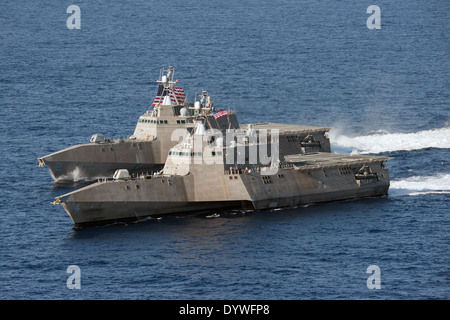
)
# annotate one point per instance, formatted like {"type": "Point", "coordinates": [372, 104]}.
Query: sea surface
{"type": "Point", "coordinates": [384, 91]}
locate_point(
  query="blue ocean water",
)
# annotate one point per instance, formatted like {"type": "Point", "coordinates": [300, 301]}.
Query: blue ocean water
{"type": "Point", "coordinates": [384, 91]}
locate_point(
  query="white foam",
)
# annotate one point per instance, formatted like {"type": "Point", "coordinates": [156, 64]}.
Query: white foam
{"type": "Point", "coordinates": [383, 141]}
{"type": "Point", "coordinates": [75, 176]}
{"type": "Point", "coordinates": [421, 185]}
{"type": "Point", "coordinates": [212, 216]}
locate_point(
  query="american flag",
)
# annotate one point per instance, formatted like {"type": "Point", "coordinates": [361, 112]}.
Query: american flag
{"type": "Point", "coordinates": [220, 113]}
{"type": "Point", "coordinates": [177, 93]}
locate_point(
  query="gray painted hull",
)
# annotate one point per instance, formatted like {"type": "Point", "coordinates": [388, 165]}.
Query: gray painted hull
{"type": "Point", "coordinates": [91, 161]}
{"type": "Point", "coordinates": [87, 162]}
{"type": "Point", "coordinates": [91, 214]}
{"type": "Point", "coordinates": [211, 188]}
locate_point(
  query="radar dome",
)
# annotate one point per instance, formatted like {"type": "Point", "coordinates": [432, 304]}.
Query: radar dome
{"type": "Point", "coordinates": [184, 112]}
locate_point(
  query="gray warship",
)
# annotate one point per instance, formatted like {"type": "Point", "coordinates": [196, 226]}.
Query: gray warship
{"type": "Point", "coordinates": [247, 169]}
{"type": "Point", "coordinates": [147, 148]}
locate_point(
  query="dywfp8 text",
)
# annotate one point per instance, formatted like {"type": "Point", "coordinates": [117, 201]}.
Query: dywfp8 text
{"type": "Point", "coordinates": [245, 309]}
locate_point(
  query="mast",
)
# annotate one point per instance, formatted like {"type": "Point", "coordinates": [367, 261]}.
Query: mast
{"type": "Point", "coordinates": [167, 90]}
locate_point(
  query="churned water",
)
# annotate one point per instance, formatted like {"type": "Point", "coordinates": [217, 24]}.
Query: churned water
{"type": "Point", "coordinates": [385, 91]}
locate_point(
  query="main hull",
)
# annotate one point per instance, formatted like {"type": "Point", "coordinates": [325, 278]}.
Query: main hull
{"type": "Point", "coordinates": [155, 196]}
{"type": "Point", "coordinates": [146, 151]}
{"type": "Point", "coordinates": [87, 162]}
{"type": "Point", "coordinates": [90, 214]}
{"type": "Point", "coordinates": [91, 161]}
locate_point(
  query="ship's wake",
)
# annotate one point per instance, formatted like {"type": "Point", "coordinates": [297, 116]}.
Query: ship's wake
{"type": "Point", "coordinates": [421, 185]}
{"type": "Point", "coordinates": [382, 141]}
